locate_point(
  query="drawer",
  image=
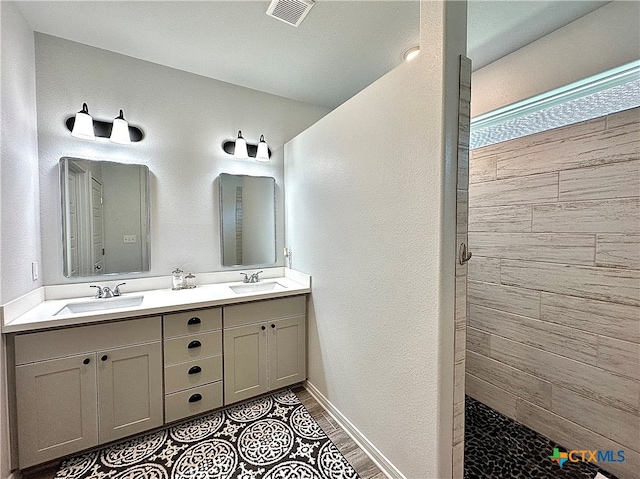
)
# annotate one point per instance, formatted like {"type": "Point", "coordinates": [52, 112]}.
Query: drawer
{"type": "Point", "coordinates": [192, 401]}
{"type": "Point", "coordinates": [32, 347]}
{"type": "Point", "coordinates": [194, 373]}
{"type": "Point", "coordinates": [195, 346]}
{"type": "Point", "coordinates": [192, 322]}
{"type": "Point", "coordinates": [259, 311]}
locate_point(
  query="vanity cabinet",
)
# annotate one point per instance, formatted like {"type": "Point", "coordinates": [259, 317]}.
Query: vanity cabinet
{"type": "Point", "coordinates": [192, 363]}
{"type": "Point", "coordinates": [264, 346]}
{"type": "Point", "coordinates": [83, 386]}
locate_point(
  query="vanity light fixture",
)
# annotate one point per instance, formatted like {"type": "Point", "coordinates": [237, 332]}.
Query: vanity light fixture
{"type": "Point", "coordinates": [411, 53]}
{"type": "Point", "coordinates": [240, 149]}
{"type": "Point", "coordinates": [263, 151]}
{"type": "Point", "coordinates": [83, 126]}
{"type": "Point", "coordinates": [120, 130]}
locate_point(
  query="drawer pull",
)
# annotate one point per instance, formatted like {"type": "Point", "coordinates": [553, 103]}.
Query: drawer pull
{"type": "Point", "coordinates": [194, 344]}
{"type": "Point", "coordinates": [194, 320]}
{"type": "Point", "coordinates": [195, 370]}
{"type": "Point", "coordinates": [195, 398]}
{"type": "Point", "coordinates": [86, 361]}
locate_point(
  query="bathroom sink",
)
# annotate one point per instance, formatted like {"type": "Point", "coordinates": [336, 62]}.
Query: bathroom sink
{"type": "Point", "coordinates": [101, 305]}
{"type": "Point", "coordinates": [257, 287]}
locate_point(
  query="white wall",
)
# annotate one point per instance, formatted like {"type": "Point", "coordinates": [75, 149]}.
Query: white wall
{"type": "Point", "coordinates": [19, 204]}
{"type": "Point", "coordinates": [370, 201]}
{"type": "Point", "coordinates": [606, 38]}
{"type": "Point", "coordinates": [185, 117]}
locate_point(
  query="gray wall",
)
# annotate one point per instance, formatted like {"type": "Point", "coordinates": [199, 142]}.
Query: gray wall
{"type": "Point", "coordinates": [370, 199]}
{"type": "Point", "coordinates": [185, 117]}
{"type": "Point", "coordinates": [19, 203]}
{"type": "Point", "coordinates": [553, 336]}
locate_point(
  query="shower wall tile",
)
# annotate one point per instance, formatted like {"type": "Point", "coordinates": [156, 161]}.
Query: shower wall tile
{"type": "Point", "coordinates": [620, 426]}
{"type": "Point", "coordinates": [619, 356]}
{"type": "Point", "coordinates": [484, 269]}
{"type": "Point", "coordinates": [618, 251]}
{"type": "Point", "coordinates": [605, 284]}
{"type": "Point", "coordinates": [596, 216]}
{"type": "Point", "coordinates": [554, 284]}
{"type": "Point", "coordinates": [516, 219]}
{"type": "Point", "coordinates": [573, 436]}
{"type": "Point", "coordinates": [515, 191]}
{"type": "Point", "coordinates": [601, 317]}
{"type": "Point", "coordinates": [550, 337]}
{"type": "Point", "coordinates": [484, 169]}
{"type": "Point", "coordinates": [492, 396]}
{"type": "Point", "coordinates": [512, 380]}
{"type": "Point", "coordinates": [478, 341]}
{"type": "Point", "coordinates": [552, 248]}
{"type": "Point", "coordinates": [617, 180]}
{"type": "Point", "coordinates": [504, 298]}
{"type": "Point", "coordinates": [592, 382]}
{"type": "Point", "coordinates": [570, 152]}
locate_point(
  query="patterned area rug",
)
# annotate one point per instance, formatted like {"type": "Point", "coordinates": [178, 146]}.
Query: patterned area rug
{"type": "Point", "coordinates": [273, 437]}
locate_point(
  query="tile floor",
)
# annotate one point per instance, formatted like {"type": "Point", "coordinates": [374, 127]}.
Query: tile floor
{"type": "Point", "coordinates": [497, 447]}
{"type": "Point", "coordinates": [365, 468]}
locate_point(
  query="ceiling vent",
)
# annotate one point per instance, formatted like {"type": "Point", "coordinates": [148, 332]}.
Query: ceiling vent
{"type": "Point", "coordinates": [290, 11]}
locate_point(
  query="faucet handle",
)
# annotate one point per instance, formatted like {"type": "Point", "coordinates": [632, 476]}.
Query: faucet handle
{"type": "Point", "coordinates": [255, 278]}
{"type": "Point", "coordinates": [116, 290]}
{"type": "Point", "coordinates": [246, 278]}
{"type": "Point", "coordinates": [98, 291]}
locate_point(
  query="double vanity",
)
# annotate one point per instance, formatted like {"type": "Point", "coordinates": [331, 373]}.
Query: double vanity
{"type": "Point", "coordinates": [84, 372]}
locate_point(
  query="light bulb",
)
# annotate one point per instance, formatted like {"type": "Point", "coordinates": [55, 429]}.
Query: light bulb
{"type": "Point", "coordinates": [83, 125]}
{"type": "Point", "coordinates": [240, 150]}
{"type": "Point", "coordinates": [120, 131]}
{"type": "Point", "coordinates": [263, 150]}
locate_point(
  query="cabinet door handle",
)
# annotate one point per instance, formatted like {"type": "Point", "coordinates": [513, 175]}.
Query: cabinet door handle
{"type": "Point", "coordinates": [195, 370]}
{"type": "Point", "coordinates": [194, 320]}
{"type": "Point", "coordinates": [104, 357]}
{"type": "Point", "coordinates": [195, 398]}
{"type": "Point", "coordinates": [194, 344]}
{"type": "Point", "coordinates": [273, 326]}
{"type": "Point", "coordinates": [263, 327]}
{"type": "Point", "coordinates": [86, 361]}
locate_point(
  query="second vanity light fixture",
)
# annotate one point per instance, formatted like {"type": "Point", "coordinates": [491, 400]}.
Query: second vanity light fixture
{"type": "Point", "coordinates": [240, 149]}
{"type": "Point", "coordinates": [83, 126]}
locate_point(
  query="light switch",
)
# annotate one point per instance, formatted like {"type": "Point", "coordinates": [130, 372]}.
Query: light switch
{"type": "Point", "coordinates": [34, 271]}
{"type": "Point", "coordinates": [129, 238]}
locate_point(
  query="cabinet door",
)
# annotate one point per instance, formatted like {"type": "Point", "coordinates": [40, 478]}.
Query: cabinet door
{"type": "Point", "coordinates": [57, 408]}
{"type": "Point", "coordinates": [287, 352]}
{"type": "Point", "coordinates": [130, 393]}
{"type": "Point", "coordinates": [245, 362]}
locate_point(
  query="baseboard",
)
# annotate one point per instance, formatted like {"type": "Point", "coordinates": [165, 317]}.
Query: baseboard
{"type": "Point", "coordinates": [370, 450]}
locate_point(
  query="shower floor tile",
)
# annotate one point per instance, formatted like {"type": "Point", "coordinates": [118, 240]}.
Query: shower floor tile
{"type": "Point", "coordinates": [497, 447]}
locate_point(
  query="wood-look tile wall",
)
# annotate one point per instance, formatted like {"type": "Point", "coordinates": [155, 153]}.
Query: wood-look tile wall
{"type": "Point", "coordinates": [553, 328]}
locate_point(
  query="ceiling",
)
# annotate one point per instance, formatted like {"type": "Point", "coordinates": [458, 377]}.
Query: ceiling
{"type": "Point", "coordinates": [340, 47]}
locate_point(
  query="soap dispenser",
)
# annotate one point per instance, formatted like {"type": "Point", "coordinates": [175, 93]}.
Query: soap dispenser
{"type": "Point", "coordinates": [178, 279]}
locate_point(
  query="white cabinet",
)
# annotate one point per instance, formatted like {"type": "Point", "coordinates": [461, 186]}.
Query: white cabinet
{"type": "Point", "coordinates": [106, 384]}
{"type": "Point", "coordinates": [192, 363]}
{"type": "Point", "coordinates": [264, 347]}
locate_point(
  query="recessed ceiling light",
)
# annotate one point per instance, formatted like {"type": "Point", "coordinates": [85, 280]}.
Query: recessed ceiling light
{"type": "Point", "coordinates": [411, 53]}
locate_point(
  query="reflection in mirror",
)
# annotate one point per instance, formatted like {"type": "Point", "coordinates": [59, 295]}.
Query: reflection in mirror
{"type": "Point", "coordinates": [105, 217]}
{"type": "Point", "coordinates": [247, 220]}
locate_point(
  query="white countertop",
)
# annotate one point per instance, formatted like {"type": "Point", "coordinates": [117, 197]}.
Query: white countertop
{"type": "Point", "coordinates": [158, 301]}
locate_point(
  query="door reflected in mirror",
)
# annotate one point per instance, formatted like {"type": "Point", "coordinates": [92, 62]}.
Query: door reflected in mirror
{"type": "Point", "coordinates": [105, 217]}
{"type": "Point", "coordinates": [247, 220]}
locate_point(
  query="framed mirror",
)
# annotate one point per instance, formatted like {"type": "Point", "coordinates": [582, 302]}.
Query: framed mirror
{"type": "Point", "coordinates": [105, 217]}
{"type": "Point", "coordinates": [247, 220]}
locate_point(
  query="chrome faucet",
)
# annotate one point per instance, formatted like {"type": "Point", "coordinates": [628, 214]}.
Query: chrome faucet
{"type": "Point", "coordinates": [251, 279]}
{"type": "Point", "coordinates": [106, 292]}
